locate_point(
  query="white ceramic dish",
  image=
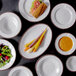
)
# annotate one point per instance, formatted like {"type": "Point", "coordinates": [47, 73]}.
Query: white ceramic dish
{"type": "Point", "coordinates": [31, 34]}
{"type": "Point", "coordinates": [49, 65]}
{"type": "Point", "coordinates": [63, 16]}
{"type": "Point", "coordinates": [24, 8]}
{"type": "Point", "coordinates": [57, 45]}
{"type": "Point", "coordinates": [13, 52]}
{"type": "Point", "coordinates": [20, 71]}
{"type": "Point", "coordinates": [10, 25]}
{"type": "Point", "coordinates": [71, 63]}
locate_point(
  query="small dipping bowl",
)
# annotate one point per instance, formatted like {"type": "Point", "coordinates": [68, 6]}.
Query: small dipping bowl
{"type": "Point", "coordinates": [20, 71]}
{"type": "Point", "coordinates": [65, 44]}
{"type": "Point", "coordinates": [71, 63]}
{"type": "Point", "coordinates": [10, 25]}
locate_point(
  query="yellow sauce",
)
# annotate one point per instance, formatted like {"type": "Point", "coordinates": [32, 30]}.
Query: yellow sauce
{"type": "Point", "coordinates": [65, 44]}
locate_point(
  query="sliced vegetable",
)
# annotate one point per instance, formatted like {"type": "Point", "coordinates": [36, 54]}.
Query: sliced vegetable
{"type": "Point", "coordinates": [31, 49]}
{"type": "Point", "coordinates": [38, 43]}
{"type": "Point", "coordinates": [41, 40]}
{"type": "Point", "coordinates": [34, 44]}
{"type": "Point", "coordinates": [35, 41]}
{"type": "Point", "coordinates": [6, 57]}
{"type": "Point", "coordinates": [29, 43]}
{"type": "Point", "coordinates": [26, 48]}
{"type": "Point", "coordinates": [36, 3]}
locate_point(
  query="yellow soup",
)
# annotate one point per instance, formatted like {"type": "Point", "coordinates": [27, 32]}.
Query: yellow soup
{"type": "Point", "coordinates": [65, 43]}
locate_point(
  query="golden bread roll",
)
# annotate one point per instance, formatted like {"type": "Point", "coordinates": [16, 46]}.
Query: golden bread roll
{"type": "Point", "coordinates": [40, 10]}
{"type": "Point", "coordinates": [43, 9]}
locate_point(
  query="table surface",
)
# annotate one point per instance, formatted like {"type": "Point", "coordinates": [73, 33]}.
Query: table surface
{"type": "Point", "coordinates": [12, 6]}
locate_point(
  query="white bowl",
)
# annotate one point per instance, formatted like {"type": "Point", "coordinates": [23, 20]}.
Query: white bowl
{"type": "Point", "coordinates": [57, 44]}
{"type": "Point", "coordinates": [20, 71]}
{"type": "Point", "coordinates": [63, 16]}
{"type": "Point", "coordinates": [10, 25]}
{"type": "Point", "coordinates": [13, 52]}
{"type": "Point", "coordinates": [24, 8]}
{"type": "Point", "coordinates": [71, 63]}
{"type": "Point", "coordinates": [49, 65]}
{"type": "Point", "coordinates": [32, 33]}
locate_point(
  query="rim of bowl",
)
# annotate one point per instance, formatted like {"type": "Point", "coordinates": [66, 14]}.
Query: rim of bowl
{"type": "Point", "coordinates": [66, 63]}
{"type": "Point", "coordinates": [20, 66]}
{"type": "Point", "coordinates": [55, 24]}
{"type": "Point", "coordinates": [49, 55]}
{"type": "Point", "coordinates": [15, 53]}
{"type": "Point", "coordinates": [24, 34]}
{"type": "Point", "coordinates": [19, 24]}
{"type": "Point", "coordinates": [55, 42]}
{"type": "Point", "coordinates": [35, 21]}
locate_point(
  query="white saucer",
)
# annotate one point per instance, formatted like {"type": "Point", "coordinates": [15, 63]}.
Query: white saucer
{"type": "Point", "coordinates": [71, 63]}
{"type": "Point", "coordinates": [13, 52]}
{"type": "Point", "coordinates": [24, 8]}
{"type": "Point", "coordinates": [10, 25]}
{"type": "Point", "coordinates": [32, 33]}
{"type": "Point", "coordinates": [20, 71]}
{"type": "Point", "coordinates": [63, 16]}
{"type": "Point", "coordinates": [49, 65]}
{"type": "Point", "coordinates": [57, 44]}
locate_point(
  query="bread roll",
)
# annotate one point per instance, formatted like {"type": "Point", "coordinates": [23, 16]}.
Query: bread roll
{"type": "Point", "coordinates": [40, 10]}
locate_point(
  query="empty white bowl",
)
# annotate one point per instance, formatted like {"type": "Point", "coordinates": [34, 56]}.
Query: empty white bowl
{"type": "Point", "coordinates": [20, 71]}
{"type": "Point", "coordinates": [57, 44]}
{"type": "Point", "coordinates": [32, 33]}
{"type": "Point", "coordinates": [71, 63]}
{"type": "Point", "coordinates": [13, 52]}
{"type": "Point", "coordinates": [63, 16]}
{"type": "Point", "coordinates": [24, 8]}
{"type": "Point", "coordinates": [49, 65]}
{"type": "Point", "coordinates": [10, 25]}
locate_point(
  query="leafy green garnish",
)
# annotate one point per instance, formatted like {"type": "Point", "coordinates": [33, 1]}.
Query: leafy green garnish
{"type": "Point", "coordinates": [0, 57]}
{"type": "Point", "coordinates": [0, 48]}
{"type": "Point", "coordinates": [7, 61]}
{"type": "Point", "coordinates": [1, 64]}
{"type": "Point", "coordinates": [40, 1]}
{"type": "Point", "coordinates": [33, 3]}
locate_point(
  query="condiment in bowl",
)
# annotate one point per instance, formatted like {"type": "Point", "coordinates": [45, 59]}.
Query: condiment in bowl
{"type": "Point", "coordinates": [71, 63]}
{"type": "Point", "coordinates": [65, 44]}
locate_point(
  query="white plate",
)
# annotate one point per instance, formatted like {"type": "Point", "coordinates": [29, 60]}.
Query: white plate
{"type": "Point", "coordinates": [24, 8]}
{"type": "Point", "coordinates": [20, 71]}
{"type": "Point", "coordinates": [71, 63]}
{"type": "Point", "coordinates": [31, 34]}
{"type": "Point", "coordinates": [57, 45]}
{"type": "Point", "coordinates": [63, 16]}
{"type": "Point", "coordinates": [10, 25]}
{"type": "Point", "coordinates": [49, 65]}
{"type": "Point", "coordinates": [13, 52]}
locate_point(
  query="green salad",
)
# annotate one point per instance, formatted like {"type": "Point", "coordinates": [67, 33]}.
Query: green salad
{"type": "Point", "coordinates": [5, 55]}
